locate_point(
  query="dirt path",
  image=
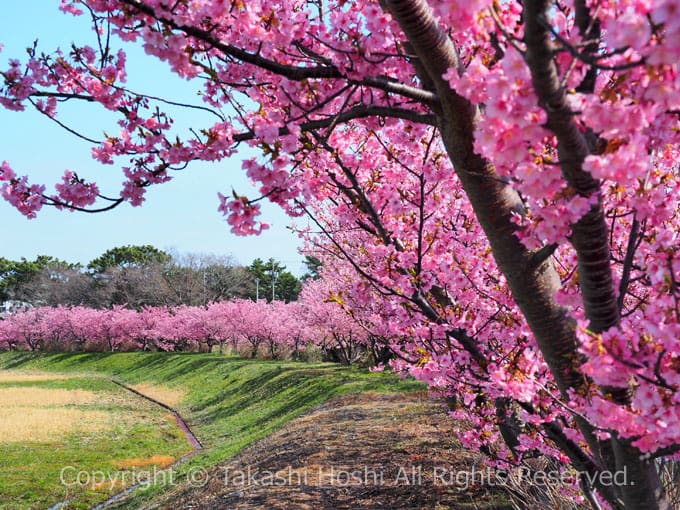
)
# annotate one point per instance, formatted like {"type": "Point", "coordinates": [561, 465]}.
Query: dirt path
{"type": "Point", "coordinates": [355, 452]}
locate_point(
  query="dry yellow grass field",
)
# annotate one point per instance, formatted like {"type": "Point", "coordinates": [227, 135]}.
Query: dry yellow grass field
{"type": "Point", "coordinates": [42, 414]}
{"type": "Point", "coordinates": [36, 414]}
{"type": "Point", "coordinates": [27, 376]}
{"type": "Point", "coordinates": [85, 422]}
{"type": "Point", "coordinates": [26, 424]}
{"type": "Point", "coordinates": [168, 396]}
{"type": "Point", "coordinates": [43, 397]}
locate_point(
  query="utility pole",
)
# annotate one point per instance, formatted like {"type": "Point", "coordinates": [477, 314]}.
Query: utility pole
{"type": "Point", "coordinates": [274, 277]}
{"type": "Point", "coordinates": [257, 289]}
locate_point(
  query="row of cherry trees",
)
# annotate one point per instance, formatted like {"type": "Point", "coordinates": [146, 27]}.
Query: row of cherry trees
{"type": "Point", "coordinates": [251, 328]}
{"type": "Point", "coordinates": [494, 185]}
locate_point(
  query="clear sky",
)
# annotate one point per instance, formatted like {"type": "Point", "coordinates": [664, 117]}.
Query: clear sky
{"type": "Point", "coordinates": [180, 215]}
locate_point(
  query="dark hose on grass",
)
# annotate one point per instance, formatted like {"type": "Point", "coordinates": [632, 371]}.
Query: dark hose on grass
{"type": "Point", "coordinates": [193, 440]}
{"type": "Point", "coordinates": [191, 437]}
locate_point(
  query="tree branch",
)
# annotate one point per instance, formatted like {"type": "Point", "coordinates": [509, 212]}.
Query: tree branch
{"type": "Point", "coordinates": [628, 262]}
{"type": "Point", "coordinates": [589, 238]}
{"type": "Point", "coordinates": [590, 233]}
{"type": "Point", "coordinates": [357, 112]}
{"type": "Point", "coordinates": [295, 73]}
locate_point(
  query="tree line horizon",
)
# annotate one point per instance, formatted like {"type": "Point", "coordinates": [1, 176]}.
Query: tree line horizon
{"type": "Point", "coordinates": [142, 275]}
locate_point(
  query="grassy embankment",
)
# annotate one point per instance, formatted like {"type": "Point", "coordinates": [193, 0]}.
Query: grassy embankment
{"type": "Point", "coordinates": [71, 414]}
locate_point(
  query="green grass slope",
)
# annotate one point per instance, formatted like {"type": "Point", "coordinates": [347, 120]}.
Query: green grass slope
{"type": "Point", "coordinates": [229, 402]}
{"type": "Point", "coordinates": [42, 469]}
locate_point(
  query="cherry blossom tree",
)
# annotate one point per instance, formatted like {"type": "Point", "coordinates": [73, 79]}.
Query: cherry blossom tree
{"type": "Point", "coordinates": [338, 334]}
{"type": "Point", "coordinates": [248, 320]}
{"type": "Point", "coordinates": [107, 330]}
{"type": "Point", "coordinates": [22, 332]}
{"type": "Point", "coordinates": [145, 329]}
{"type": "Point", "coordinates": [194, 324]}
{"type": "Point", "coordinates": [294, 330]}
{"type": "Point", "coordinates": [55, 328]}
{"type": "Point", "coordinates": [77, 334]}
{"type": "Point", "coordinates": [502, 176]}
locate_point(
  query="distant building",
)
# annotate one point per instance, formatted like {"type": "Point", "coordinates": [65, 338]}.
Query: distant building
{"type": "Point", "coordinates": [13, 306]}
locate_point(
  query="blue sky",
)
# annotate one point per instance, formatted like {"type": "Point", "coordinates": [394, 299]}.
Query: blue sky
{"type": "Point", "coordinates": [180, 215]}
